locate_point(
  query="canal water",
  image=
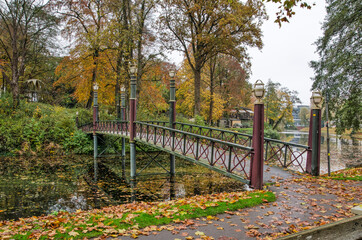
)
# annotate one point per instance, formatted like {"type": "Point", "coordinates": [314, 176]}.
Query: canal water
{"type": "Point", "coordinates": [344, 152]}
{"type": "Point", "coordinates": [36, 186]}
{"type": "Point", "coordinates": [43, 185]}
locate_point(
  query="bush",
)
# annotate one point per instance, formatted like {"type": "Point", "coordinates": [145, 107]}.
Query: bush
{"type": "Point", "coordinates": [37, 128]}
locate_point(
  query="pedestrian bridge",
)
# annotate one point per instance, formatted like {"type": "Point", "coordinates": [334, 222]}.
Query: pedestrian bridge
{"type": "Point", "coordinates": [224, 151]}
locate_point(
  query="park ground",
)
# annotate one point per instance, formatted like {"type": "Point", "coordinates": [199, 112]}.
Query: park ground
{"type": "Point", "coordinates": [286, 206]}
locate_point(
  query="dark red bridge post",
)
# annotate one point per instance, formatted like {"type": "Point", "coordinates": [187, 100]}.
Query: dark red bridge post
{"type": "Point", "coordinates": [257, 163]}
{"type": "Point", "coordinates": [132, 125]}
{"type": "Point", "coordinates": [314, 139]}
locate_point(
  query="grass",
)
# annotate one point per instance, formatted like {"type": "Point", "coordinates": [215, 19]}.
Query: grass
{"type": "Point", "coordinates": [107, 222]}
{"type": "Point", "coordinates": [354, 174]}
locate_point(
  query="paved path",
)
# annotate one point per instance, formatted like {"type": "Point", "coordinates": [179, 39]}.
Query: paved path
{"type": "Point", "coordinates": [301, 204]}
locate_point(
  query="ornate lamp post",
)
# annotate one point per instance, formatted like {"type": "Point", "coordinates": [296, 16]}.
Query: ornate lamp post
{"type": "Point", "coordinates": [123, 118]}
{"type": "Point", "coordinates": [132, 119]}
{"type": "Point", "coordinates": [314, 140]}
{"type": "Point", "coordinates": [172, 117]}
{"type": "Point", "coordinates": [95, 122]}
{"type": "Point", "coordinates": [95, 118]}
{"type": "Point", "coordinates": [257, 163]}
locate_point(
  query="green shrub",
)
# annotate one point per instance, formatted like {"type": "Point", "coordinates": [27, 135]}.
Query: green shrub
{"type": "Point", "coordinates": [37, 128]}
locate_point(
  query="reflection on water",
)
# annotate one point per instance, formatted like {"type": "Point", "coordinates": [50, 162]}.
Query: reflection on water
{"type": "Point", "coordinates": [344, 152]}
{"type": "Point", "coordinates": [36, 186]}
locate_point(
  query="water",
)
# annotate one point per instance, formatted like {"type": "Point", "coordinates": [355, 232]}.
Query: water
{"type": "Point", "coordinates": [345, 152]}
{"type": "Point", "coordinates": [36, 186]}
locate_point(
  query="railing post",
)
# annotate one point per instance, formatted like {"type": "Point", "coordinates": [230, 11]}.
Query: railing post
{"type": "Point", "coordinates": [212, 154]}
{"type": "Point", "coordinates": [257, 163]}
{"type": "Point", "coordinates": [230, 156]}
{"type": "Point", "coordinates": [172, 119]}
{"type": "Point", "coordinates": [132, 119]}
{"type": "Point", "coordinates": [314, 139]}
{"type": "Point", "coordinates": [285, 155]}
{"type": "Point", "coordinates": [266, 151]}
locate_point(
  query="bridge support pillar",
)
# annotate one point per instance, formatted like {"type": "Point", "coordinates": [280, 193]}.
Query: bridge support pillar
{"type": "Point", "coordinates": [257, 163]}
{"type": "Point", "coordinates": [132, 125]}
{"type": "Point", "coordinates": [172, 119]}
{"type": "Point", "coordinates": [314, 139]}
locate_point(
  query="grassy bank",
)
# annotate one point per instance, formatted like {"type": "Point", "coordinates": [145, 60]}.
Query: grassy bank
{"type": "Point", "coordinates": [36, 128]}
{"type": "Point", "coordinates": [346, 174]}
{"type": "Point", "coordinates": [129, 218]}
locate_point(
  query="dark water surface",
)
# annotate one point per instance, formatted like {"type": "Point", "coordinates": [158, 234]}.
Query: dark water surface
{"type": "Point", "coordinates": [45, 185]}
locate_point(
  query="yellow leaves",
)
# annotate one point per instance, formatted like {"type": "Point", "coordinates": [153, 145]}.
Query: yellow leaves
{"type": "Point", "coordinates": [198, 233]}
{"type": "Point", "coordinates": [73, 233]}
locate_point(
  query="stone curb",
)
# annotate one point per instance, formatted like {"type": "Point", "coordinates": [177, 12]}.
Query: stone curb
{"type": "Point", "coordinates": [346, 229]}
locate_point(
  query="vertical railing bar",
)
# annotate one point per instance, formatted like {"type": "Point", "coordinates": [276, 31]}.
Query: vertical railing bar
{"type": "Point", "coordinates": [229, 163]}
{"type": "Point", "coordinates": [212, 154]}
{"type": "Point", "coordinates": [266, 151]}
{"type": "Point", "coordinates": [197, 148]}
{"type": "Point", "coordinates": [184, 152]}
{"type": "Point", "coordinates": [285, 155]}
{"type": "Point", "coordinates": [173, 135]}
{"type": "Point", "coordinates": [155, 136]}
{"type": "Point", "coordinates": [163, 137]}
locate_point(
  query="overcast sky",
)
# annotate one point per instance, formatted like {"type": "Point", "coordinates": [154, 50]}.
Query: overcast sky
{"type": "Point", "coordinates": [288, 50]}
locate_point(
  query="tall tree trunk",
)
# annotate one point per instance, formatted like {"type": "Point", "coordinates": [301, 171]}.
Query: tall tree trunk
{"type": "Point", "coordinates": [117, 96]}
{"type": "Point", "coordinates": [197, 86]}
{"type": "Point", "coordinates": [15, 72]}
{"type": "Point", "coordinates": [212, 76]}
{"type": "Point", "coordinates": [211, 100]}
{"type": "Point", "coordinates": [94, 77]}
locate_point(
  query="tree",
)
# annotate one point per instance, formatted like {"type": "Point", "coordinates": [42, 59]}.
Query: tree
{"type": "Point", "coordinates": [26, 30]}
{"type": "Point", "coordinates": [279, 104]}
{"type": "Point", "coordinates": [185, 92]}
{"type": "Point", "coordinates": [338, 72]}
{"type": "Point", "coordinates": [304, 116]}
{"type": "Point", "coordinates": [85, 21]}
{"type": "Point", "coordinates": [286, 9]}
{"type": "Point", "coordinates": [201, 29]}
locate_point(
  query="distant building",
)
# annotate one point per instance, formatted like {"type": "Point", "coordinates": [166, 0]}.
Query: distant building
{"type": "Point", "coordinates": [237, 118]}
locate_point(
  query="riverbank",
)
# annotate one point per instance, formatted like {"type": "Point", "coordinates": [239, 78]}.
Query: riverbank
{"type": "Point", "coordinates": [301, 203]}
{"type": "Point", "coordinates": [347, 133]}
{"type": "Point", "coordinates": [128, 219]}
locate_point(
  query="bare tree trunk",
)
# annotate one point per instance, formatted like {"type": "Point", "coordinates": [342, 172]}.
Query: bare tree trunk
{"type": "Point", "coordinates": [197, 86]}
{"type": "Point", "coordinates": [212, 76]}
{"type": "Point", "coordinates": [117, 96]}
{"type": "Point", "coordinates": [94, 77]}
{"type": "Point", "coordinates": [15, 72]}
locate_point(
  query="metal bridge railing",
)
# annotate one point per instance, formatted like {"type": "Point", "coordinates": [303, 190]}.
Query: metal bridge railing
{"type": "Point", "coordinates": [212, 144]}
{"type": "Point", "coordinates": [284, 154]}
{"type": "Point", "coordinates": [232, 157]}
